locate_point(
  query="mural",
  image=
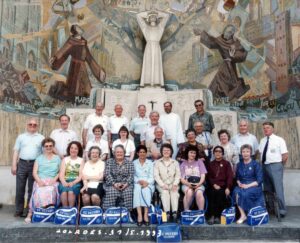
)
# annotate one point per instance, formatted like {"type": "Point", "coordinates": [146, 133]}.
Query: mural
{"type": "Point", "coordinates": [247, 54]}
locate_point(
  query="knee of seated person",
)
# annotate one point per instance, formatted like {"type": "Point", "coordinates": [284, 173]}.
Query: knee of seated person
{"type": "Point", "coordinates": [95, 198]}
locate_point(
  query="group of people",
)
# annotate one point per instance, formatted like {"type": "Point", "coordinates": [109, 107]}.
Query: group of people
{"type": "Point", "coordinates": [111, 169]}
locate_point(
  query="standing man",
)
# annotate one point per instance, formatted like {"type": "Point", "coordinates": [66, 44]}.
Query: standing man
{"type": "Point", "coordinates": [172, 123]}
{"type": "Point", "coordinates": [244, 137]}
{"type": "Point", "coordinates": [203, 116]}
{"type": "Point", "coordinates": [115, 122]}
{"type": "Point", "coordinates": [63, 136]}
{"type": "Point", "coordinates": [274, 155]}
{"type": "Point", "coordinates": [139, 124]}
{"type": "Point", "coordinates": [27, 148]}
{"type": "Point", "coordinates": [91, 121]}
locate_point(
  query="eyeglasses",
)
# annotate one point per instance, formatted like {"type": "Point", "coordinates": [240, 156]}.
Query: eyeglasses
{"type": "Point", "coordinates": [218, 151]}
{"type": "Point", "coordinates": [48, 146]}
{"type": "Point", "coordinates": [32, 125]}
{"type": "Point", "coordinates": [198, 105]}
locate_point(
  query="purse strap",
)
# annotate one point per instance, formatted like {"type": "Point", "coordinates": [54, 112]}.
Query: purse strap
{"type": "Point", "coordinates": [142, 188]}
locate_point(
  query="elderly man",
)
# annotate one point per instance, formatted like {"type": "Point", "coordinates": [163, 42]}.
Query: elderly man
{"type": "Point", "coordinates": [63, 136]}
{"type": "Point", "coordinates": [244, 137]}
{"type": "Point", "coordinates": [115, 122]}
{"type": "Point", "coordinates": [91, 121]}
{"type": "Point", "coordinates": [274, 155]}
{"type": "Point", "coordinates": [153, 146]}
{"type": "Point", "coordinates": [139, 124]}
{"type": "Point", "coordinates": [204, 138]}
{"type": "Point", "coordinates": [172, 123]}
{"type": "Point", "coordinates": [203, 116]}
{"type": "Point", "coordinates": [148, 133]}
{"type": "Point", "coordinates": [27, 148]}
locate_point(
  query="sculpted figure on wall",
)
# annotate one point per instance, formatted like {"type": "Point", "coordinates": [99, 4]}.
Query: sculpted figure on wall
{"type": "Point", "coordinates": [152, 24]}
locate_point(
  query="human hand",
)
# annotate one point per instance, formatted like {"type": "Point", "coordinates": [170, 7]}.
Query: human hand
{"type": "Point", "coordinates": [84, 188]}
{"type": "Point", "coordinates": [41, 183]}
{"type": "Point", "coordinates": [165, 187]}
{"type": "Point", "coordinates": [217, 187]}
{"type": "Point", "coordinates": [14, 169]}
{"type": "Point", "coordinates": [174, 188]}
{"type": "Point", "coordinates": [102, 75]}
{"type": "Point", "coordinates": [232, 51]}
{"type": "Point", "coordinates": [227, 192]}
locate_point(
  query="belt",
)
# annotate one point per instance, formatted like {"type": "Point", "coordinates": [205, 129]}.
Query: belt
{"type": "Point", "coordinates": [28, 160]}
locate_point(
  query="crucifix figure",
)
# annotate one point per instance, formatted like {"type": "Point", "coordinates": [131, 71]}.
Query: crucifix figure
{"type": "Point", "coordinates": [152, 104]}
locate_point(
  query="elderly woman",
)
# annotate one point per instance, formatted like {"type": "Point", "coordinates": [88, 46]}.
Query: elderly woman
{"type": "Point", "coordinates": [249, 175]}
{"type": "Point", "coordinates": [231, 152]}
{"type": "Point", "coordinates": [167, 177]}
{"type": "Point", "coordinates": [125, 142]}
{"type": "Point", "coordinates": [143, 184]}
{"type": "Point", "coordinates": [45, 173]}
{"type": "Point", "coordinates": [220, 179]}
{"type": "Point", "coordinates": [192, 178]}
{"type": "Point", "coordinates": [92, 176]}
{"type": "Point", "coordinates": [119, 173]}
{"type": "Point", "coordinates": [191, 140]}
{"type": "Point", "coordinates": [99, 142]}
{"type": "Point", "coordinates": [70, 174]}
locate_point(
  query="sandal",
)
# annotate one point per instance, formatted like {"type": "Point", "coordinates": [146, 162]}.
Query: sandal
{"type": "Point", "coordinates": [241, 220]}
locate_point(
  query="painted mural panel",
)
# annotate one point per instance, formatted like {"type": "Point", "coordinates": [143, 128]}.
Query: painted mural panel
{"type": "Point", "coordinates": [247, 52]}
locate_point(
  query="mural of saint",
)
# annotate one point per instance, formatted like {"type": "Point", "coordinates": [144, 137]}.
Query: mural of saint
{"type": "Point", "coordinates": [226, 82]}
{"type": "Point", "coordinates": [78, 83]}
{"type": "Point", "coordinates": [152, 24]}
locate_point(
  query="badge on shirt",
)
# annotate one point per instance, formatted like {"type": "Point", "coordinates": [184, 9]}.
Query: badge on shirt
{"type": "Point", "coordinates": [221, 165]}
{"type": "Point", "coordinates": [250, 168]}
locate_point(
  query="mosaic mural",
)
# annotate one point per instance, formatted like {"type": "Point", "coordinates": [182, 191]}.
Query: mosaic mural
{"type": "Point", "coordinates": [247, 52]}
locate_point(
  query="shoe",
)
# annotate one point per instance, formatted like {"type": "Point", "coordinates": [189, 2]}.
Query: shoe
{"type": "Point", "coordinates": [241, 220]}
{"type": "Point", "coordinates": [217, 221]}
{"type": "Point", "coordinates": [139, 223]}
{"type": "Point", "coordinates": [147, 223]}
{"type": "Point", "coordinates": [211, 220]}
{"type": "Point", "coordinates": [282, 215]}
{"type": "Point", "coordinates": [174, 216]}
{"type": "Point", "coordinates": [19, 215]}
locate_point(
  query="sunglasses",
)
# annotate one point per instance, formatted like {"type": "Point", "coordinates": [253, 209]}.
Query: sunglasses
{"type": "Point", "coordinates": [198, 105]}
{"type": "Point", "coordinates": [48, 146]}
{"type": "Point", "coordinates": [32, 125]}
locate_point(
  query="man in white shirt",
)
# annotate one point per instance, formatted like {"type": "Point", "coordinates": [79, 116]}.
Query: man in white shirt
{"type": "Point", "coordinates": [115, 123]}
{"type": "Point", "coordinates": [172, 124]}
{"type": "Point", "coordinates": [139, 124]}
{"type": "Point", "coordinates": [244, 137]}
{"type": "Point", "coordinates": [91, 121]}
{"type": "Point", "coordinates": [63, 136]}
{"type": "Point", "coordinates": [204, 138]}
{"type": "Point", "coordinates": [274, 155]}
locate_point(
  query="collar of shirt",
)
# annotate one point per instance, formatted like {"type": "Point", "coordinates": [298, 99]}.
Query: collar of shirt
{"type": "Point", "coordinates": [145, 117]}
{"type": "Point", "coordinates": [64, 130]}
{"type": "Point", "coordinates": [246, 134]}
{"type": "Point", "coordinates": [32, 134]}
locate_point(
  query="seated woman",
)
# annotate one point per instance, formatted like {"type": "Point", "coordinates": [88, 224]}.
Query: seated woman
{"type": "Point", "coordinates": [98, 141]}
{"type": "Point", "coordinates": [220, 179]}
{"type": "Point", "coordinates": [192, 178]}
{"type": "Point", "coordinates": [167, 177]}
{"type": "Point", "coordinates": [125, 142]}
{"type": "Point", "coordinates": [119, 173]}
{"type": "Point", "coordinates": [70, 175]}
{"type": "Point", "coordinates": [45, 173]}
{"type": "Point", "coordinates": [248, 194]}
{"type": "Point", "coordinates": [143, 184]}
{"type": "Point", "coordinates": [92, 176]}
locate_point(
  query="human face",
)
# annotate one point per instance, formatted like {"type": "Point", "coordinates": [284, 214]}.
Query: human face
{"type": "Point", "coordinates": [99, 109]}
{"type": "Point", "coordinates": [243, 127]}
{"type": "Point", "coordinates": [119, 154]}
{"type": "Point", "coordinates": [168, 108]}
{"type": "Point", "coordinates": [166, 152]}
{"type": "Point", "coordinates": [64, 122]}
{"type": "Point", "coordinates": [198, 127]}
{"type": "Point", "coordinates": [97, 133]}
{"type": "Point", "coordinates": [228, 33]}
{"type": "Point", "coordinates": [199, 107]}
{"type": "Point", "coordinates": [48, 147]}
{"type": "Point", "coordinates": [224, 138]}
{"type": "Point", "coordinates": [32, 126]}
{"type": "Point", "coordinates": [74, 150]}
{"type": "Point", "coordinates": [118, 110]}
{"type": "Point", "coordinates": [142, 154]}
{"type": "Point", "coordinates": [268, 130]}
{"type": "Point", "coordinates": [191, 155]}
{"type": "Point", "coordinates": [123, 134]}
{"type": "Point", "coordinates": [218, 154]}
{"type": "Point", "coordinates": [154, 118]}
{"type": "Point", "coordinates": [95, 154]}
{"type": "Point", "coordinates": [142, 111]}
{"type": "Point", "coordinates": [153, 20]}
{"type": "Point", "coordinates": [191, 137]}
{"type": "Point", "coordinates": [246, 154]}
{"type": "Point", "coordinates": [158, 133]}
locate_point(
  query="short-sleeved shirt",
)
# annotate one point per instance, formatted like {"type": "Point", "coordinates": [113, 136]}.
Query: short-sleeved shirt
{"type": "Point", "coordinates": [240, 139]}
{"type": "Point", "coordinates": [62, 139]}
{"type": "Point", "coordinates": [102, 144]}
{"type": "Point", "coordinates": [48, 168]}
{"type": "Point", "coordinates": [72, 167]}
{"type": "Point", "coordinates": [195, 168]}
{"type": "Point", "coordinates": [128, 145]}
{"type": "Point", "coordinates": [204, 138]}
{"type": "Point", "coordinates": [139, 124]}
{"type": "Point", "coordinates": [276, 148]}
{"type": "Point", "coordinates": [115, 123]}
{"type": "Point", "coordinates": [206, 118]}
{"type": "Point", "coordinates": [93, 120]}
{"type": "Point", "coordinates": [93, 169]}
{"type": "Point", "coordinates": [29, 145]}
{"type": "Point", "coordinates": [148, 133]}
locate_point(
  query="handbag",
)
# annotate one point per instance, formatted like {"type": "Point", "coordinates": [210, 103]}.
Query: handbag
{"type": "Point", "coordinates": [43, 215]}
{"type": "Point", "coordinates": [66, 216]}
{"type": "Point", "coordinates": [168, 233]}
{"type": "Point", "coordinates": [192, 217]}
{"type": "Point", "coordinates": [91, 215]}
{"type": "Point", "coordinates": [115, 215]}
{"type": "Point", "coordinates": [152, 210]}
{"type": "Point", "coordinates": [257, 216]}
{"type": "Point", "coordinates": [228, 214]}
{"type": "Point", "coordinates": [193, 179]}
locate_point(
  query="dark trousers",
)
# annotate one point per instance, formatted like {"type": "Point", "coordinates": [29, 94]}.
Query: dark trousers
{"type": "Point", "coordinates": [217, 202]}
{"type": "Point", "coordinates": [24, 173]}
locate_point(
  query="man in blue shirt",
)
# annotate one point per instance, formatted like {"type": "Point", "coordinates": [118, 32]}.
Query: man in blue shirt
{"type": "Point", "coordinates": [27, 148]}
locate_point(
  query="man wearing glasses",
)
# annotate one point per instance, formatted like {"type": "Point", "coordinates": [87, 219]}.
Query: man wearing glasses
{"type": "Point", "coordinates": [27, 148]}
{"type": "Point", "coordinates": [202, 116]}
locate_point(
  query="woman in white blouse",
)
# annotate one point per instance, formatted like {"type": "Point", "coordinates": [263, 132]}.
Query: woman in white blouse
{"type": "Point", "coordinates": [126, 142]}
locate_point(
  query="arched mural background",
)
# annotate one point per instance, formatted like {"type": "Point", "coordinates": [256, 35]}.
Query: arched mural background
{"type": "Point", "coordinates": [34, 30]}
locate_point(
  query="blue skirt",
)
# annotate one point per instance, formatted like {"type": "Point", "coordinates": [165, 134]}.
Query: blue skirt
{"type": "Point", "coordinates": [75, 189]}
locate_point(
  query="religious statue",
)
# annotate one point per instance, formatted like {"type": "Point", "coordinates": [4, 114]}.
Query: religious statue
{"type": "Point", "coordinates": [78, 83]}
{"type": "Point", "coordinates": [226, 82]}
{"type": "Point", "coordinates": [152, 24]}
